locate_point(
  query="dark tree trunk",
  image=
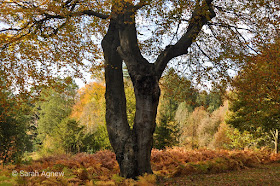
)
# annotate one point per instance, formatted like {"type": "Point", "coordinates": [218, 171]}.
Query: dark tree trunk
{"type": "Point", "coordinates": [120, 134]}
{"type": "Point", "coordinates": [147, 96]}
{"type": "Point", "coordinates": [133, 146]}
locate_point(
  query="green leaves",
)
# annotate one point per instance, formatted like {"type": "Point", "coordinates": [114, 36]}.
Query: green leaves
{"type": "Point", "coordinates": [14, 123]}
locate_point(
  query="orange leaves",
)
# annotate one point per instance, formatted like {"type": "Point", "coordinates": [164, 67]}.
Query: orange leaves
{"type": "Point", "coordinates": [8, 152]}
{"type": "Point", "coordinates": [79, 168]}
{"type": "Point", "coordinates": [178, 161]}
{"type": "Point", "coordinates": [92, 91]}
{"type": "Point", "coordinates": [165, 162]}
{"type": "Point", "coordinates": [101, 168]}
{"type": "Point", "coordinates": [258, 87]}
{"type": "Point", "coordinates": [74, 36]}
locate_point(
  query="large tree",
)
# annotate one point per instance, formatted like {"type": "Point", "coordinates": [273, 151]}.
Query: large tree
{"type": "Point", "coordinates": [255, 101]}
{"type": "Point", "coordinates": [49, 36]}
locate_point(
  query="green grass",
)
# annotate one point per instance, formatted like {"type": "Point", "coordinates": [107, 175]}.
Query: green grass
{"type": "Point", "coordinates": [262, 175]}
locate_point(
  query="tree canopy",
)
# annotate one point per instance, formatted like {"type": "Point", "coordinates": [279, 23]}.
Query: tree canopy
{"type": "Point", "coordinates": [206, 39]}
{"type": "Point", "coordinates": [41, 38]}
{"type": "Point", "coordinates": [256, 96]}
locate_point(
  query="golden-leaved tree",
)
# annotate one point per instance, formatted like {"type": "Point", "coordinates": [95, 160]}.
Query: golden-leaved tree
{"type": "Point", "coordinates": [89, 109]}
{"type": "Point", "coordinates": [42, 38]}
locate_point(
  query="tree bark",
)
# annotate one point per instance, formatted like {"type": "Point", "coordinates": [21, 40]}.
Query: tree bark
{"type": "Point", "coordinates": [147, 94]}
{"type": "Point", "coordinates": [276, 137]}
{"type": "Point", "coordinates": [133, 146]}
{"type": "Point", "coordinates": [146, 88]}
{"type": "Point", "coordinates": [121, 136]}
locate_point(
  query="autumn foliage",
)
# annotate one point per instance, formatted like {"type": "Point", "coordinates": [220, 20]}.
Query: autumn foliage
{"type": "Point", "coordinates": [102, 168]}
{"type": "Point", "coordinates": [91, 100]}
{"type": "Point", "coordinates": [258, 82]}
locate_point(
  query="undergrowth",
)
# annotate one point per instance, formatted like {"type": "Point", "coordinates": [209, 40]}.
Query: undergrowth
{"type": "Point", "coordinates": [101, 168]}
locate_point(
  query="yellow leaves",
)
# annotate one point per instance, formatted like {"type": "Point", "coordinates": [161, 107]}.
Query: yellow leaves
{"type": "Point", "coordinates": [147, 180]}
{"type": "Point", "coordinates": [130, 101]}
{"type": "Point", "coordinates": [90, 108]}
{"type": "Point", "coordinates": [43, 2]}
{"type": "Point", "coordinates": [5, 37]}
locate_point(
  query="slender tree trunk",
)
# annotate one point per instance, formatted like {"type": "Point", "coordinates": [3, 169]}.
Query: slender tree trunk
{"type": "Point", "coordinates": [275, 135]}
{"type": "Point", "coordinates": [276, 141]}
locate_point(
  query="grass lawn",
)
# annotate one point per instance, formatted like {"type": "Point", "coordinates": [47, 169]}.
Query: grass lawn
{"type": "Point", "coordinates": [262, 175]}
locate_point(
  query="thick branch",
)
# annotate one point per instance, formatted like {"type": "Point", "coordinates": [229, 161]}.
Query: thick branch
{"type": "Point", "coordinates": [120, 135]}
{"type": "Point", "coordinates": [80, 13]}
{"type": "Point", "coordinates": [200, 16]}
{"type": "Point", "coordinates": [129, 49]}
{"type": "Point", "coordinates": [49, 16]}
{"type": "Point", "coordinates": [89, 13]}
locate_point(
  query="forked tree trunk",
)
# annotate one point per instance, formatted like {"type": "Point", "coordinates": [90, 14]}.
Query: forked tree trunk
{"type": "Point", "coordinates": [132, 146]}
